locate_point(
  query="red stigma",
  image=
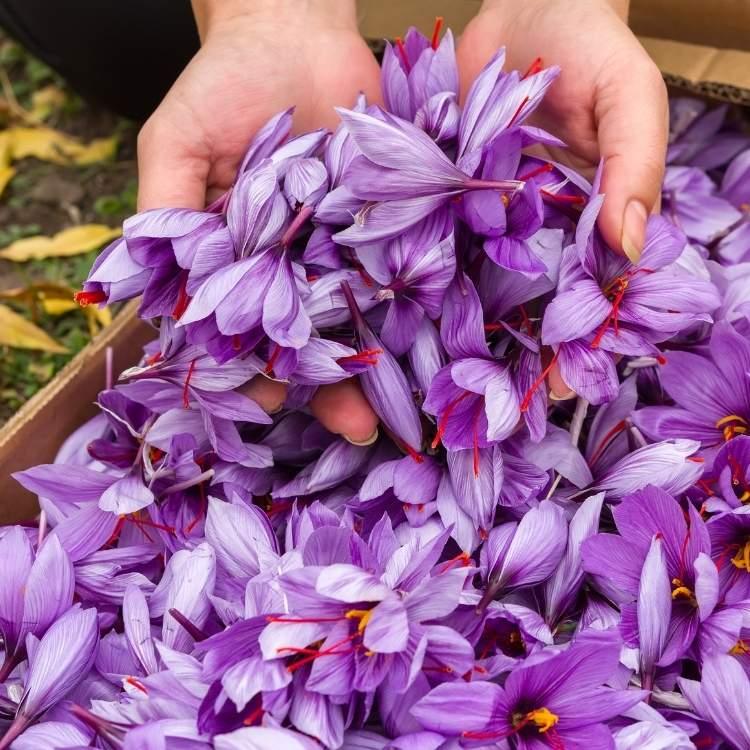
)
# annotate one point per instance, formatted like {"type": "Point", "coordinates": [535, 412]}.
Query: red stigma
{"type": "Point", "coordinates": [201, 511]}
{"type": "Point", "coordinates": [402, 52]}
{"type": "Point", "coordinates": [154, 358]}
{"type": "Point", "coordinates": [236, 342]}
{"type": "Point", "coordinates": [661, 359]}
{"type": "Point", "coordinates": [436, 32]}
{"type": "Point", "coordinates": [526, 403]}
{"type": "Point", "coordinates": [185, 388]}
{"type": "Point", "coordinates": [137, 684]}
{"type": "Point", "coordinates": [535, 67]}
{"type": "Point", "coordinates": [443, 421]}
{"type": "Point", "coordinates": [542, 169]}
{"type": "Point", "coordinates": [573, 200]}
{"type": "Point", "coordinates": [89, 298]}
{"type": "Point", "coordinates": [183, 299]}
{"type": "Point", "coordinates": [366, 357]}
{"type": "Point", "coordinates": [311, 654]}
{"type": "Point", "coordinates": [518, 111]}
{"type": "Point", "coordinates": [272, 359]}
{"type": "Point", "coordinates": [253, 717]}
{"type": "Point", "coordinates": [606, 441]}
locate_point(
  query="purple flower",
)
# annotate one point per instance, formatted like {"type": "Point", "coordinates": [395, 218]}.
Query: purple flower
{"type": "Point", "coordinates": [403, 175]}
{"type": "Point", "coordinates": [385, 384]}
{"type": "Point", "coordinates": [474, 397]}
{"type": "Point", "coordinates": [663, 562]}
{"type": "Point", "coordinates": [560, 699]}
{"type": "Point", "coordinates": [711, 392]}
{"type": "Point", "coordinates": [619, 306]}
{"type": "Point", "coordinates": [690, 201]}
{"type": "Point", "coordinates": [60, 661]}
{"type": "Point", "coordinates": [35, 590]}
{"type": "Point", "coordinates": [417, 70]}
{"type": "Point", "coordinates": [413, 270]}
{"type": "Point", "coordinates": [721, 697]}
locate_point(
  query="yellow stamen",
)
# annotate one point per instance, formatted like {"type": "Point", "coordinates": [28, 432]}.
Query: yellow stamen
{"type": "Point", "coordinates": [732, 424]}
{"type": "Point", "coordinates": [683, 592]}
{"type": "Point", "coordinates": [543, 718]}
{"type": "Point", "coordinates": [742, 559]}
{"type": "Point", "coordinates": [504, 198]}
{"type": "Point", "coordinates": [740, 648]}
{"type": "Point", "coordinates": [363, 615]}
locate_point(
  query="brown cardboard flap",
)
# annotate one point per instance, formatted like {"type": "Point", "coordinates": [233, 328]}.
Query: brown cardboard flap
{"type": "Point", "coordinates": [718, 67]}
{"type": "Point", "coordinates": [719, 73]}
{"type": "Point", "coordinates": [719, 23]}
{"type": "Point", "coordinates": [38, 429]}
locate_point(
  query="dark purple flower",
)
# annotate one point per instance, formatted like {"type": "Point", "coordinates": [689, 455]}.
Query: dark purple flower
{"type": "Point", "coordinates": [559, 699]}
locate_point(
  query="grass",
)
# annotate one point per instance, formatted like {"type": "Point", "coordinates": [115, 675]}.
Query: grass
{"type": "Point", "coordinates": [44, 198]}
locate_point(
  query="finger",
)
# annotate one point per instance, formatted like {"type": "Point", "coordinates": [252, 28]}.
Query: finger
{"type": "Point", "coordinates": [479, 41]}
{"type": "Point", "coordinates": [268, 394]}
{"type": "Point", "coordinates": [631, 114]}
{"type": "Point", "coordinates": [343, 409]}
{"type": "Point", "coordinates": [559, 390]}
{"type": "Point", "coordinates": [171, 172]}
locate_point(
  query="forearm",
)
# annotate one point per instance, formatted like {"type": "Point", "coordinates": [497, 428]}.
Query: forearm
{"type": "Point", "coordinates": [331, 13]}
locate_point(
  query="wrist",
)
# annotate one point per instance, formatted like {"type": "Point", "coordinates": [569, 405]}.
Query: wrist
{"type": "Point", "coordinates": [213, 15]}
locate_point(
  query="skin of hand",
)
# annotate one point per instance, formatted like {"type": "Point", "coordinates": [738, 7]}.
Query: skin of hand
{"type": "Point", "coordinates": [258, 57]}
{"type": "Point", "coordinates": [609, 102]}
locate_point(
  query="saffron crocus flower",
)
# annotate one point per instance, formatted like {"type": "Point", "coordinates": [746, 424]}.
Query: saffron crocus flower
{"type": "Point", "coordinates": [727, 484]}
{"type": "Point", "coordinates": [398, 193]}
{"type": "Point", "coordinates": [61, 660]}
{"type": "Point", "coordinates": [385, 384]}
{"type": "Point", "coordinates": [558, 701]}
{"type": "Point", "coordinates": [620, 306]}
{"type": "Point", "coordinates": [721, 697]}
{"type": "Point", "coordinates": [34, 591]}
{"type": "Point", "coordinates": [474, 397]}
{"type": "Point", "coordinates": [711, 392]}
{"type": "Point", "coordinates": [413, 270]}
{"type": "Point", "coordinates": [498, 102]}
{"type": "Point", "coordinates": [679, 561]}
{"type": "Point", "coordinates": [510, 559]}
{"type": "Point", "coordinates": [690, 201]}
{"type": "Point", "coordinates": [416, 69]}
{"type": "Point", "coordinates": [563, 587]}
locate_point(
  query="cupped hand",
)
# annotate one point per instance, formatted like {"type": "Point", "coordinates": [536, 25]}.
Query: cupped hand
{"type": "Point", "coordinates": [609, 102]}
{"type": "Point", "coordinates": [256, 60]}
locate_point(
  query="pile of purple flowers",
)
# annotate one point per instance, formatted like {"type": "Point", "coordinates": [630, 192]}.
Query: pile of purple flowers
{"type": "Point", "coordinates": [496, 568]}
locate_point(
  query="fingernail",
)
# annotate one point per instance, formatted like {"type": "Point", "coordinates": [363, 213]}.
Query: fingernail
{"type": "Point", "coordinates": [564, 397]}
{"type": "Point", "coordinates": [369, 441]}
{"type": "Point", "coordinates": [634, 230]}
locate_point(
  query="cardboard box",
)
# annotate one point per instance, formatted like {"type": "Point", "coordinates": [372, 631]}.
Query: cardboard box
{"type": "Point", "coordinates": [703, 49]}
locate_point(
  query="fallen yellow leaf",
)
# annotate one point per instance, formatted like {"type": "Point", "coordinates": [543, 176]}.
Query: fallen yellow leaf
{"type": "Point", "coordinates": [20, 333]}
{"type": "Point", "coordinates": [58, 306]}
{"type": "Point", "coordinates": [45, 101]}
{"type": "Point", "coordinates": [6, 175]}
{"type": "Point", "coordinates": [72, 241]}
{"type": "Point", "coordinates": [53, 146]}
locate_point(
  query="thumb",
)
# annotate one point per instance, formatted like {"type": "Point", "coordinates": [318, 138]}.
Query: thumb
{"type": "Point", "coordinates": [172, 173]}
{"type": "Point", "coordinates": [631, 113]}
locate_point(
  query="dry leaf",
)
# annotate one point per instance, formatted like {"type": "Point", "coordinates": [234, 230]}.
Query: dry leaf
{"type": "Point", "coordinates": [45, 101]}
{"type": "Point", "coordinates": [20, 333]}
{"type": "Point", "coordinates": [72, 241]}
{"type": "Point", "coordinates": [6, 175]}
{"type": "Point", "coordinates": [57, 307]}
{"type": "Point", "coordinates": [53, 146]}
{"type": "Point", "coordinates": [57, 299]}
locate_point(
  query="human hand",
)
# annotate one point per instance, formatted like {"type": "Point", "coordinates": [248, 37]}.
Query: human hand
{"type": "Point", "coordinates": [257, 58]}
{"type": "Point", "coordinates": [609, 102]}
